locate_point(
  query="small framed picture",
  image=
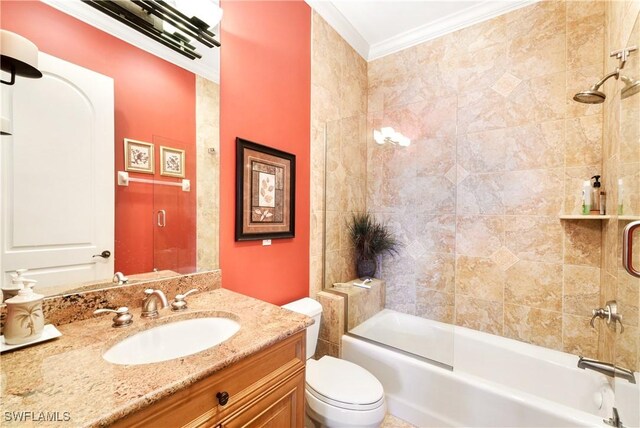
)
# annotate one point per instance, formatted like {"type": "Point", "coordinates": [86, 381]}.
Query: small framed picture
{"type": "Point", "coordinates": [171, 162]}
{"type": "Point", "coordinates": [265, 192]}
{"type": "Point", "coordinates": [138, 156]}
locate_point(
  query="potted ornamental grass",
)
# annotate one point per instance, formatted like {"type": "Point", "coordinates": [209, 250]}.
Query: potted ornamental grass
{"type": "Point", "coordinates": [371, 240]}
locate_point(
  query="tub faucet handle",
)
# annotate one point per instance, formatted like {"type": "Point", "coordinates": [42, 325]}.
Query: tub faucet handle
{"type": "Point", "coordinates": [608, 313]}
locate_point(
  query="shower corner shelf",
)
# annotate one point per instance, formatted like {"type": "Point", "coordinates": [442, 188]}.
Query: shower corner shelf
{"type": "Point", "coordinates": [599, 217]}
{"type": "Point", "coordinates": [585, 217]}
{"type": "Point", "coordinates": [628, 217]}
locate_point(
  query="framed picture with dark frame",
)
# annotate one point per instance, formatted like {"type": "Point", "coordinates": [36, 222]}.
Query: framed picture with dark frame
{"type": "Point", "coordinates": [265, 192]}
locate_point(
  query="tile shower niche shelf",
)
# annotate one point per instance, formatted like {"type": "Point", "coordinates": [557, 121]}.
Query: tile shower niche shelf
{"type": "Point", "coordinates": [628, 217]}
{"type": "Point", "coordinates": [585, 217]}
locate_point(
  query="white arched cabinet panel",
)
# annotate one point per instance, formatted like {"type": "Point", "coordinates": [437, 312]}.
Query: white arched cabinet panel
{"type": "Point", "coordinates": [57, 176]}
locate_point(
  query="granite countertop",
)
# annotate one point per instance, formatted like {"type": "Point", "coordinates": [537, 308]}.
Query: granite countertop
{"type": "Point", "coordinates": [67, 379]}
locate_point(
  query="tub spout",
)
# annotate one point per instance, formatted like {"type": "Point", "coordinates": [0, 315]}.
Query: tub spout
{"type": "Point", "coordinates": [607, 369]}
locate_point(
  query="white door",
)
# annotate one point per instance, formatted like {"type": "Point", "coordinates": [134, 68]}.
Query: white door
{"type": "Point", "coordinates": [57, 184]}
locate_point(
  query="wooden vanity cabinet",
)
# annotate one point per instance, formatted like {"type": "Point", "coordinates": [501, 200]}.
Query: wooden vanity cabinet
{"type": "Point", "coordinates": [265, 389]}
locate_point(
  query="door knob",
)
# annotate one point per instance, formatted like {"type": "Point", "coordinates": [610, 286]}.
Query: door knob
{"type": "Point", "coordinates": [223, 397]}
{"type": "Point", "coordinates": [105, 254]}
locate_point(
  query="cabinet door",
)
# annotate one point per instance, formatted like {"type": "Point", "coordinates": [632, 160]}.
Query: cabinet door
{"type": "Point", "coordinates": [281, 407]}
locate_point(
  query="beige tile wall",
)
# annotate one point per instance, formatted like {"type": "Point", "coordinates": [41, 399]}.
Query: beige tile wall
{"type": "Point", "coordinates": [621, 161]}
{"type": "Point", "coordinates": [208, 168]}
{"type": "Point", "coordinates": [338, 107]}
{"type": "Point", "coordinates": [498, 151]}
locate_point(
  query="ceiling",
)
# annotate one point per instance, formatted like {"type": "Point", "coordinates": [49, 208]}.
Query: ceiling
{"type": "Point", "coordinates": [375, 28]}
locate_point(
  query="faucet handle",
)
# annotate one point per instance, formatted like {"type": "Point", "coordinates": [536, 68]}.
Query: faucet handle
{"type": "Point", "coordinates": [179, 304]}
{"type": "Point", "coordinates": [122, 316]}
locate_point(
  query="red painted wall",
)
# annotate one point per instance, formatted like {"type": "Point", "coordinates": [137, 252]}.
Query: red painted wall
{"type": "Point", "coordinates": [265, 88]}
{"type": "Point", "coordinates": [154, 100]}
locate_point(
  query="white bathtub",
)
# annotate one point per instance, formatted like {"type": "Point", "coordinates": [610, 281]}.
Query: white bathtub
{"type": "Point", "coordinates": [495, 382]}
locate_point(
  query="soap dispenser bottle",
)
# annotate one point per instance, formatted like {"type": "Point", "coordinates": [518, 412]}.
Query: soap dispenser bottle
{"type": "Point", "coordinates": [25, 320]}
{"type": "Point", "coordinates": [595, 194]}
{"type": "Point", "coordinates": [17, 282]}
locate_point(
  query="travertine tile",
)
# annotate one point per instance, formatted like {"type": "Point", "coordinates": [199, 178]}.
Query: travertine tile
{"type": "Point", "coordinates": [434, 156]}
{"type": "Point", "coordinates": [585, 33]}
{"type": "Point", "coordinates": [578, 337]}
{"type": "Point", "coordinates": [582, 242]}
{"type": "Point", "coordinates": [480, 278]}
{"type": "Point", "coordinates": [537, 100]}
{"type": "Point", "coordinates": [436, 271]}
{"type": "Point", "coordinates": [535, 146]}
{"type": "Point", "coordinates": [456, 174]}
{"type": "Point", "coordinates": [332, 324]}
{"type": "Point", "coordinates": [503, 258]}
{"type": "Point", "coordinates": [506, 84]}
{"type": "Point", "coordinates": [479, 236]}
{"type": "Point", "coordinates": [531, 58]}
{"type": "Point", "coordinates": [481, 194]}
{"type": "Point", "coordinates": [584, 141]}
{"type": "Point", "coordinates": [536, 285]}
{"type": "Point", "coordinates": [627, 348]}
{"type": "Point", "coordinates": [479, 314]}
{"type": "Point", "coordinates": [483, 152]}
{"type": "Point", "coordinates": [534, 238]}
{"type": "Point", "coordinates": [628, 297]}
{"type": "Point", "coordinates": [391, 421]}
{"type": "Point", "coordinates": [435, 305]}
{"type": "Point", "coordinates": [536, 326]}
{"type": "Point", "coordinates": [581, 290]}
{"type": "Point", "coordinates": [327, 348]}
{"type": "Point", "coordinates": [538, 20]}
{"type": "Point", "coordinates": [529, 192]}
{"type": "Point", "coordinates": [437, 233]}
{"type": "Point", "coordinates": [422, 120]}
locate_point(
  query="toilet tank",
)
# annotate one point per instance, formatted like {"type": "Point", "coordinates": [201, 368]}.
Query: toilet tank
{"type": "Point", "coordinates": [313, 309]}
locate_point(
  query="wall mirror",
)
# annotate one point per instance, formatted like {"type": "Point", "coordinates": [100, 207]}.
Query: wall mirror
{"type": "Point", "coordinates": [78, 203]}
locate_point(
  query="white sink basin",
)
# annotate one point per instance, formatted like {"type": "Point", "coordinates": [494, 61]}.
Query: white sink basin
{"type": "Point", "coordinates": [173, 340]}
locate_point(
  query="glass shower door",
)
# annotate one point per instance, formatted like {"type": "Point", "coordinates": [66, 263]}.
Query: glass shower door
{"type": "Point", "coordinates": [627, 342]}
{"type": "Point", "coordinates": [174, 218]}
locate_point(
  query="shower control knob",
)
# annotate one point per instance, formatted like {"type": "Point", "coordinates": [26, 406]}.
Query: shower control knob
{"type": "Point", "coordinates": [223, 397]}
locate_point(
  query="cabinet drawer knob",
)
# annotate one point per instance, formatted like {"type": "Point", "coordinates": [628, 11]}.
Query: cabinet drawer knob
{"type": "Point", "coordinates": [223, 397]}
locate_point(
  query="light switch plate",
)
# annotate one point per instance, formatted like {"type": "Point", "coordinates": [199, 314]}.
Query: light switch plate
{"type": "Point", "coordinates": [266, 242]}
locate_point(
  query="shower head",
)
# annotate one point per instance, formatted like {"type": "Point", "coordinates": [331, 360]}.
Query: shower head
{"type": "Point", "coordinates": [593, 95]}
{"type": "Point", "coordinates": [631, 87]}
{"type": "Point", "coordinates": [590, 96]}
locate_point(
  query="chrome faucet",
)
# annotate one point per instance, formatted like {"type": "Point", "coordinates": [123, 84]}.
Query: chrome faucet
{"type": "Point", "coordinates": [607, 369]}
{"type": "Point", "coordinates": [150, 303]}
{"type": "Point", "coordinates": [119, 278]}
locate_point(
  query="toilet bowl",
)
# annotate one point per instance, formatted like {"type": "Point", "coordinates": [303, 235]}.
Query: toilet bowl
{"type": "Point", "coordinates": [338, 393]}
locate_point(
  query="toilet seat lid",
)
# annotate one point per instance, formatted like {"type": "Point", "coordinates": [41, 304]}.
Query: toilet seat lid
{"type": "Point", "coordinates": [343, 383]}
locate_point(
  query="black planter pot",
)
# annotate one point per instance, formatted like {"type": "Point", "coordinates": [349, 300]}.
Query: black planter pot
{"type": "Point", "coordinates": [366, 268]}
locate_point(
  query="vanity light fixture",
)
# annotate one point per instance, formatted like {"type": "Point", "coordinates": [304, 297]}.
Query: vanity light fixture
{"type": "Point", "coordinates": [19, 57]}
{"type": "Point", "coordinates": [388, 135]}
{"type": "Point", "coordinates": [163, 23]}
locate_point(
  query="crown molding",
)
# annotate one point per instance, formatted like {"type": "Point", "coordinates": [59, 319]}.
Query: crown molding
{"type": "Point", "coordinates": [448, 24]}
{"type": "Point", "coordinates": [208, 66]}
{"type": "Point", "coordinates": [445, 25]}
{"type": "Point", "coordinates": [341, 24]}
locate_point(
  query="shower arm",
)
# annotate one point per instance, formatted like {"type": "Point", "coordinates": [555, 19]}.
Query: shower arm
{"type": "Point", "coordinates": [615, 74]}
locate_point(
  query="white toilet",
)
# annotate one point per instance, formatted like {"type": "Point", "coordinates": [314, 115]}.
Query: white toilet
{"type": "Point", "coordinates": [338, 393]}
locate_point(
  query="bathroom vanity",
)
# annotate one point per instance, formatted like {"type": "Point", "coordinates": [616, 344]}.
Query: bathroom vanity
{"type": "Point", "coordinates": [265, 389]}
{"type": "Point", "coordinates": [256, 377]}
